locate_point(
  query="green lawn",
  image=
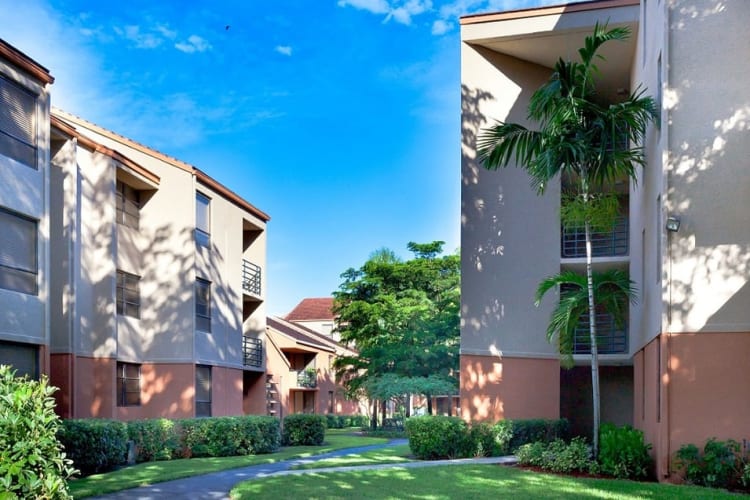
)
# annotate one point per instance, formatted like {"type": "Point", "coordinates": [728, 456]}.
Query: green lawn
{"type": "Point", "coordinates": [156, 472]}
{"type": "Point", "coordinates": [389, 455]}
{"type": "Point", "coordinates": [459, 481]}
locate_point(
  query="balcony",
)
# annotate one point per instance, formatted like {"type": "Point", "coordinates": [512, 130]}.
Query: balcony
{"type": "Point", "coordinates": [252, 350]}
{"type": "Point", "coordinates": [609, 338]}
{"type": "Point", "coordinates": [307, 378]}
{"type": "Point", "coordinates": [612, 243]}
{"type": "Point", "coordinates": [251, 275]}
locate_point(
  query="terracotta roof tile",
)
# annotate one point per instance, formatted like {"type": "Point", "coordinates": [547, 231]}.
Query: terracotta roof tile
{"type": "Point", "coordinates": [311, 309]}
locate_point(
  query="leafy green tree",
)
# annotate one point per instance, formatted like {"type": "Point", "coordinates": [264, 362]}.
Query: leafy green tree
{"type": "Point", "coordinates": [588, 141]}
{"type": "Point", "coordinates": [403, 318]}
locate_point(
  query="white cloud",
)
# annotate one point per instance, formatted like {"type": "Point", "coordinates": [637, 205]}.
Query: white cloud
{"type": "Point", "coordinates": [440, 27]}
{"type": "Point", "coordinates": [401, 11]}
{"type": "Point", "coordinates": [139, 38]}
{"type": "Point", "coordinates": [284, 50]}
{"type": "Point", "coordinates": [194, 43]}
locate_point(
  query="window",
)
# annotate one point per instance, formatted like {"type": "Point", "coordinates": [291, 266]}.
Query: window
{"type": "Point", "coordinates": [23, 358]}
{"type": "Point", "coordinates": [128, 384]}
{"type": "Point", "coordinates": [18, 253]}
{"type": "Point", "coordinates": [331, 402]}
{"type": "Point", "coordinates": [202, 391]}
{"type": "Point", "coordinates": [202, 220]}
{"type": "Point", "coordinates": [18, 112]}
{"type": "Point", "coordinates": [128, 206]}
{"type": "Point", "coordinates": [128, 294]}
{"type": "Point", "coordinates": [202, 305]}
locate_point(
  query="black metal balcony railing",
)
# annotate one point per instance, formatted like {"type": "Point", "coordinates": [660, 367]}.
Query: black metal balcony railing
{"type": "Point", "coordinates": [252, 350]}
{"type": "Point", "coordinates": [609, 338]}
{"type": "Point", "coordinates": [251, 277]}
{"type": "Point", "coordinates": [612, 243]}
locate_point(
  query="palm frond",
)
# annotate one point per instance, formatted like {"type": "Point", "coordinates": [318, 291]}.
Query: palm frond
{"type": "Point", "coordinates": [499, 145]}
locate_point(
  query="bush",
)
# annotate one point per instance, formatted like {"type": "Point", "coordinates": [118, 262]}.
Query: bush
{"type": "Point", "coordinates": [229, 436]}
{"type": "Point", "coordinates": [154, 439]}
{"type": "Point", "coordinates": [557, 456]}
{"type": "Point", "coordinates": [437, 437]}
{"type": "Point", "coordinates": [511, 434]}
{"type": "Point", "coordinates": [94, 445]}
{"type": "Point", "coordinates": [622, 452]}
{"type": "Point", "coordinates": [483, 440]}
{"type": "Point", "coordinates": [32, 462]}
{"type": "Point", "coordinates": [304, 430]}
{"type": "Point", "coordinates": [335, 421]}
{"type": "Point", "coordinates": [719, 466]}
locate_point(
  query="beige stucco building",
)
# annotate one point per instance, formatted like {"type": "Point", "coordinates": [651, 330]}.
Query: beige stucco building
{"type": "Point", "coordinates": [24, 211]}
{"type": "Point", "coordinates": [300, 375]}
{"type": "Point", "coordinates": [679, 371]}
{"type": "Point", "coordinates": [132, 279]}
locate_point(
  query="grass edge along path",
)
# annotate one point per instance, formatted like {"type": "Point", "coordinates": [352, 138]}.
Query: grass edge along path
{"type": "Point", "coordinates": [460, 481]}
{"type": "Point", "coordinates": [388, 455]}
{"type": "Point", "coordinates": [147, 473]}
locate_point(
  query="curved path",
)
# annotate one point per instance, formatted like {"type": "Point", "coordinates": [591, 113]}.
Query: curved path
{"type": "Point", "coordinates": [216, 485]}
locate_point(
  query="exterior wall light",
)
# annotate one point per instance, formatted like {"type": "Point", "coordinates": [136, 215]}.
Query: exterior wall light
{"type": "Point", "coordinates": [673, 224]}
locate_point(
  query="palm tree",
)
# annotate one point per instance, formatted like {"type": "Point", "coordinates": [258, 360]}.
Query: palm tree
{"type": "Point", "coordinates": [581, 138]}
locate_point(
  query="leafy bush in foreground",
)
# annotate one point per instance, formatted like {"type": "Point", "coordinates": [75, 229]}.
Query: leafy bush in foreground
{"type": "Point", "coordinates": [32, 462]}
{"type": "Point", "coordinates": [304, 430]}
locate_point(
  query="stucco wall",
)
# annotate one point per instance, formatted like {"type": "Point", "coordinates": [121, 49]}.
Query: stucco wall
{"type": "Point", "coordinates": [496, 388]}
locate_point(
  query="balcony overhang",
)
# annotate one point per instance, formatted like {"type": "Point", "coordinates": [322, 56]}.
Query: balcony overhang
{"type": "Point", "coordinates": [541, 36]}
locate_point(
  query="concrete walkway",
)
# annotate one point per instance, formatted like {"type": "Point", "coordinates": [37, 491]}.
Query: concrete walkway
{"type": "Point", "coordinates": [217, 485]}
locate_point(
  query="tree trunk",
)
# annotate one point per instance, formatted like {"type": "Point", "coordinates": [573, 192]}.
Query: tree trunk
{"type": "Point", "coordinates": [429, 405]}
{"type": "Point", "coordinates": [383, 409]}
{"type": "Point", "coordinates": [374, 417]}
{"type": "Point", "coordinates": [595, 397]}
{"type": "Point", "coordinates": [408, 406]}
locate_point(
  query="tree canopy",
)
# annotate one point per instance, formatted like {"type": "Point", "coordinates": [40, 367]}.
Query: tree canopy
{"type": "Point", "coordinates": [403, 318]}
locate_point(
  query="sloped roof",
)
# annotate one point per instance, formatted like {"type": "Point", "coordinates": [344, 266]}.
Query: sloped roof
{"type": "Point", "coordinates": [311, 309]}
{"type": "Point", "coordinates": [25, 63]}
{"type": "Point", "coordinates": [308, 337]}
{"type": "Point", "coordinates": [80, 123]}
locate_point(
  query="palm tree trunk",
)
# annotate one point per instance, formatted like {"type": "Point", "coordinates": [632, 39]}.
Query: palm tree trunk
{"type": "Point", "coordinates": [595, 397]}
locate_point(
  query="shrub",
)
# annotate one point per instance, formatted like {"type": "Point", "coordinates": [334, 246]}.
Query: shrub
{"type": "Point", "coordinates": [557, 456]}
{"type": "Point", "coordinates": [154, 439]}
{"type": "Point", "coordinates": [511, 434]}
{"type": "Point", "coordinates": [94, 445]}
{"type": "Point", "coordinates": [719, 466]}
{"type": "Point", "coordinates": [229, 436]}
{"type": "Point", "coordinates": [436, 437]}
{"type": "Point", "coordinates": [263, 433]}
{"type": "Point", "coordinates": [622, 452]}
{"type": "Point", "coordinates": [304, 430]}
{"type": "Point", "coordinates": [483, 440]}
{"type": "Point", "coordinates": [335, 421]}
{"type": "Point", "coordinates": [32, 462]}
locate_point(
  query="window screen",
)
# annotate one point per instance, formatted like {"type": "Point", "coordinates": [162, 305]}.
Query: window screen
{"type": "Point", "coordinates": [128, 384]}
{"type": "Point", "coordinates": [128, 205]}
{"type": "Point", "coordinates": [202, 219]}
{"type": "Point", "coordinates": [202, 305]}
{"type": "Point", "coordinates": [17, 123]}
{"type": "Point", "coordinates": [18, 248]}
{"type": "Point", "coordinates": [202, 391]}
{"type": "Point", "coordinates": [24, 358]}
{"type": "Point", "coordinates": [128, 294]}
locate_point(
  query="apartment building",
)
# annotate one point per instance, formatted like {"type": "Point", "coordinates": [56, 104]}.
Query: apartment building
{"type": "Point", "coordinates": [24, 209]}
{"type": "Point", "coordinates": [679, 370]}
{"type": "Point", "coordinates": [315, 313]}
{"type": "Point", "coordinates": [300, 375]}
{"type": "Point", "coordinates": [157, 290]}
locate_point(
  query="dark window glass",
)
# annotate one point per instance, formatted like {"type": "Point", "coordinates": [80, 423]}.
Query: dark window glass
{"type": "Point", "coordinates": [23, 358]}
{"type": "Point", "coordinates": [202, 305]}
{"type": "Point", "coordinates": [128, 384]}
{"type": "Point", "coordinates": [18, 249]}
{"type": "Point", "coordinates": [128, 294]}
{"type": "Point", "coordinates": [18, 118]}
{"type": "Point", "coordinates": [202, 391]}
{"type": "Point", "coordinates": [202, 220]}
{"type": "Point", "coordinates": [128, 208]}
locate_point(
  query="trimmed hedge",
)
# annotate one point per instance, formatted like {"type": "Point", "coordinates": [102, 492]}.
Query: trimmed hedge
{"type": "Point", "coordinates": [229, 436]}
{"type": "Point", "coordinates": [303, 429]}
{"type": "Point", "coordinates": [154, 439]}
{"type": "Point", "coordinates": [435, 437]}
{"type": "Point", "coordinates": [344, 421]}
{"type": "Point", "coordinates": [97, 445]}
{"type": "Point", "coordinates": [94, 445]}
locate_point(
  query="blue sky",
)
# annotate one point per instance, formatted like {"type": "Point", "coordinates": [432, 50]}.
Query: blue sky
{"type": "Point", "coordinates": [339, 118]}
